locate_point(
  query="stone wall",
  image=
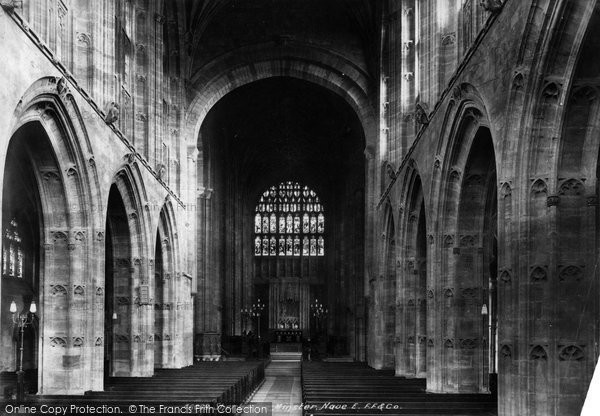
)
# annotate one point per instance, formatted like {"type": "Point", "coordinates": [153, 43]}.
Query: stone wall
{"type": "Point", "coordinates": [81, 152]}
{"type": "Point", "coordinates": [527, 87]}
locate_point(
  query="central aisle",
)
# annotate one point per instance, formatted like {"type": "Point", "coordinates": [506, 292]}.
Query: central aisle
{"type": "Point", "coordinates": [282, 387]}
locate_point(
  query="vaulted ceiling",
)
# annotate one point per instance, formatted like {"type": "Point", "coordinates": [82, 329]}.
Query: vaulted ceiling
{"type": "Point", "coordinates": [345, 27]}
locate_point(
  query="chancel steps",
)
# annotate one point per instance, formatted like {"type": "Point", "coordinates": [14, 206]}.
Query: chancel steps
{"type": "Point", "coordinates": [286, 356]}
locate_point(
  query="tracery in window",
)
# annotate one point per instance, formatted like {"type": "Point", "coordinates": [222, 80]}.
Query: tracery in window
{"type": "Point", "coordinates": [12, 253]}
{"type": "Point", "coordinates": [289, 221]}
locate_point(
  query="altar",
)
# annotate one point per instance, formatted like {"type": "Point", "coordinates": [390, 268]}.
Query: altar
{"type": "Point", "coordinates": [289, 311]}
{"type": "Point", "coordinates": [287, 335]}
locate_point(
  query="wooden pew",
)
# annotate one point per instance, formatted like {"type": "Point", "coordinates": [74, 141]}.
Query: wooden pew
{"type": "Point", "coordinates": [355, 389]}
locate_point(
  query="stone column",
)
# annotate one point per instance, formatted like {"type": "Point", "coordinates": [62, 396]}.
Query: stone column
{"type": "Point", "coordinates": [405, 117]}
{"type": "Point", "coordinates": [208, 298]}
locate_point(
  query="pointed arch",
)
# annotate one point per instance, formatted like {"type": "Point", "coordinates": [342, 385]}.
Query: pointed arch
{"type": "Point", "coordinates": [49, 157]}
{"type": "Point", "coordinates": [128, 277]}
{"type": "Point", "coordinates": [411, 300]}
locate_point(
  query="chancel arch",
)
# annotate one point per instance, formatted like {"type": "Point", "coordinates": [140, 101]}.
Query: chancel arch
{"type": "Point", "coordinates": [283, 137]}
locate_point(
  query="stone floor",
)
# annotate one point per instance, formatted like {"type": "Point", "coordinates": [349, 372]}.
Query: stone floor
{"type": "Point", "coordinates": [282, 388]}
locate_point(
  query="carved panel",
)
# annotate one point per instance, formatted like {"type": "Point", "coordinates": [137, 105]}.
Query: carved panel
{"type": "Point", "coordinates": [505, 190]}
{"type": "Point", "coordinates": [58, 290]}
{"type": "Point", "coordinates": [572, 187]}
{"type": "Point", "coordinates": [570, 353]}
{"type": "Point", "coordinates": [448, 240]}
{"type": "Point", "coordinates": [505, 351]}
{"type": "Point", "coordinates": [538, 353]}
{"type": "Point", "coordinates": [552, 90]}
{"type": "Point", "coordinates": [58, 342]}
{"type": "Point", "coordinates": [60, 236]}
{"type": "Point", "coordinates": [518, 81]}
{"type": "Point", "coordinates": [539, 186]}
{"type": "Point", "coordinates": [505, 275]}
{"type": "Point", "coordinates": [468, 240]}
{"type": "Point", "coordinates": [538, 273]}
{"type": "Point", "coordinates": [455, 175]}
{"type": "Point", "coordinates": [78, 342]}
{"type": "Point", "coordinates": [448, 343]}
{"type": "Point", "coordinates": [570, 273]}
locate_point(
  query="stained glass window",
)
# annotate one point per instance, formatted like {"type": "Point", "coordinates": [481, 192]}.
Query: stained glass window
{"type": "Point", "coordinates": [289, 220]}
{"type": "Point", "coordinates": [257, 224]}
{"type": "Point", "coordinates": [313, 246]}
{"type": "Point", "coordinates": [12, 254]}
{"type": "Point", "coordinates": [257, 244]}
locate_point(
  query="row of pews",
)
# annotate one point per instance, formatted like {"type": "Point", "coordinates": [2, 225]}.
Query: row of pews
{"type": "Point", "coordinates": [355, 389]}
{"type": "Point", "coordinates": [205, 382]}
